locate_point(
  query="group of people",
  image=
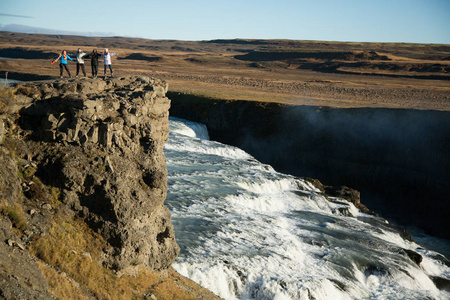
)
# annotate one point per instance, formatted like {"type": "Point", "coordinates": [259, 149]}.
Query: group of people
{"type": "Point", "coordinates": [80, 56]}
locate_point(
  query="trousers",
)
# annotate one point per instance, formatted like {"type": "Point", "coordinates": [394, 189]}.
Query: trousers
{"type": "Point", "coordinates": [61, 68]}
{"type": "Point", "coordinates": [82, 69]}
{"type": "Point", "coordinates": [94, 69]}
{"type": "Point", "coordinates": [110, 68]}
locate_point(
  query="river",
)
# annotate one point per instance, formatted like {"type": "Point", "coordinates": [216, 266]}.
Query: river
{"type": "Point", "coordinates": [249, 232]}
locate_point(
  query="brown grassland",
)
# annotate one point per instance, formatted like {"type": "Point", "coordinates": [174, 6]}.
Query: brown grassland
{"type": "Point", "coordinates": [336, 74]}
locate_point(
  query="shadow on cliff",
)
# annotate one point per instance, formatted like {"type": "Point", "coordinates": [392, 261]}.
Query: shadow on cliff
{"type": "Point", "coordinates": [398, 159]}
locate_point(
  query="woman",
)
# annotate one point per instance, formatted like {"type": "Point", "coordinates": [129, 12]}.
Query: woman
{"type": "Point", "coordinates": [107, 59]}
{"type": "Point", "coordinates": [63, 63]}
{"type": "Point", "coordinates": [80, 62]}
{"type": "Point", "coordinates": [94, 62]}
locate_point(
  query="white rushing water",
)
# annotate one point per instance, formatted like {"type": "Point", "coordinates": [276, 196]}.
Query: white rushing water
{"type": "Point", "coordinates": [249, 232]}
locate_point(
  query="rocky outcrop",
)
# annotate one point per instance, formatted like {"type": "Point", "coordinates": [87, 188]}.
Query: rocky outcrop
{"type": "Point", "coordinates": [344, 192]}
{"type": "Point", "coordinates": [101, 143]}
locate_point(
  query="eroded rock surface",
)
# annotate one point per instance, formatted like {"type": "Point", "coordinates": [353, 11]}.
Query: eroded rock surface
{"type": "Point", "coordinates": [101, 142]}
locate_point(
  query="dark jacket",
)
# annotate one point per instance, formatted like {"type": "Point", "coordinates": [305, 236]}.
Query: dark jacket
{"type": "Point", "coordinates": [94, 58]}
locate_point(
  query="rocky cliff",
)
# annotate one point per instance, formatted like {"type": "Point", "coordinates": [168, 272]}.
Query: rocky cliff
{"type": "Point", "coordinates": [92, 150]}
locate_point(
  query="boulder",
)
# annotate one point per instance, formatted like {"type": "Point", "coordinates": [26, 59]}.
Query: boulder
{"type": "Point", "coordinates": [413, 255]}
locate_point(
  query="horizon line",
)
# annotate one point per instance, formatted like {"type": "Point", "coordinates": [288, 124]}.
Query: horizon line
{"type": "Point", "coordinates": [112, 35]}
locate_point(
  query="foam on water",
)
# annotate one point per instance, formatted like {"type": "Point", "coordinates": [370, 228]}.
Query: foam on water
{"type": "Point", "coordinates": [188, 128]}
{"type": "Point", "coordinates": [248, 232]}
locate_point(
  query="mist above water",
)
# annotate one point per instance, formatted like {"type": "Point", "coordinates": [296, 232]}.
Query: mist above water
{"type": "Point", "coordinates": [249, 232]}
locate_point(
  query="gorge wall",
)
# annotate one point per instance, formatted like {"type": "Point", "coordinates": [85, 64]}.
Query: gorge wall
{"type": "Point", "coordinates": [99, 143]}
{"type": "Point", "coordinates": [398, 159]}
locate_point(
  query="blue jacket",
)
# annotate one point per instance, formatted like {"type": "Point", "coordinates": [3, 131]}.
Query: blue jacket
{"type": "Point", "coordinates": [63, 58]}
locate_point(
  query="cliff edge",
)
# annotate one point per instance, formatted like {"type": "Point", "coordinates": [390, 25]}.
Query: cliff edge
{"type": "Point", "coordinates": [77, 152]}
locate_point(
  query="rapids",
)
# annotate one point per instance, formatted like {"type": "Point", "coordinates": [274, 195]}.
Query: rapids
{"type": "Point", "coordinates": [249, 232]}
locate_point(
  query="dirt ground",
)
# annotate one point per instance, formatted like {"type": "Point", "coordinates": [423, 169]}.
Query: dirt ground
{"type": "Point", "coordinates": [335, 74]}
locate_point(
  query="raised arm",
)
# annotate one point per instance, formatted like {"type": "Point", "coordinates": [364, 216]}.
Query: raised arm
{"type": "Point", "coordinates": [114, 54]}
{"type": "Point", "coordinates": [56, 59]}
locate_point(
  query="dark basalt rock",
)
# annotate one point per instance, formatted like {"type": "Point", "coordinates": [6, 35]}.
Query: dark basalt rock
{"type": "Point", "coordinates": [441, 283]}
{"type": "Point", "coordinates": [349, 194]}
{"type": "Point", "coordinates": [414, 256]}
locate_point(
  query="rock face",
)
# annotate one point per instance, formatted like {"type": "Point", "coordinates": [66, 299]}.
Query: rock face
{"type": "Point", "coordinates": [16, 284]}
{"type": "Point", "coordinates": [101, 142]}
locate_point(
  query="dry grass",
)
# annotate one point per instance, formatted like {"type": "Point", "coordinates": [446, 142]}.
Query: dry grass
{"type": "Point", "coordinates": [15, 214]}
{"type": "Point", "coordinates": [65, 248]}
{"type": "Point", "coordinates": [41, 193]}
{"type": "Point", "coordinates": [27, 172]}
{"type": "Point", "coordinates": [59, 285]}
{"type": "Point", "coordinates": [6, 98]}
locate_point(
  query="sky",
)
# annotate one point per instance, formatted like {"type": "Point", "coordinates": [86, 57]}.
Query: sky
{"type": "Point", "coordinates": [415, 21]}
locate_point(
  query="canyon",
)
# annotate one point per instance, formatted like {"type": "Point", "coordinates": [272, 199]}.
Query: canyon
{"type": "Point", "coordinates": [398, 159]}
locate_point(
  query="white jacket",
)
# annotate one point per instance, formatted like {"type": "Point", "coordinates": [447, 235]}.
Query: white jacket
{"type": "Point", "coordinates": [107, 57]}
{"type": "Point", "coordinates": [80, 56]}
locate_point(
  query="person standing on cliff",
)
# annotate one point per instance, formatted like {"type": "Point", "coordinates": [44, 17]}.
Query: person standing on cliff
{"type": "Point", "coordinates": [107, 59]}
{"type": "Point", "coordinates": [63, 63]}
{"type": "Point", "coordinates": [80, 62]}
{"type": "Point", "coordinates": [94, 62]}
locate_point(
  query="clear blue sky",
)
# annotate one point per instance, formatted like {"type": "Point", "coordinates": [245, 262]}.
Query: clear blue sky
{"type": "Point", "coordinates": [419, 21]}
